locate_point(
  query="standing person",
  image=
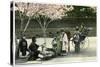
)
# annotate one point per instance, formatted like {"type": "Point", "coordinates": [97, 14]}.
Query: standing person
{"type": "Point", "coordinates": [76, 40]}
{"type": "Point", "coordinates": [68, 37]}
{"type": "Point", "coordinates": [59, 46]}
{"type": "Point", "coordinates": [56, 44]}
{"type": "Point", "coordinates": [33, 48]}
{"type": "Point", "coordinates": [61, 38]}
{"type": "Point", "coordinates": [23, 46]}
{"type": "Point", "coordinates": [64, 41]}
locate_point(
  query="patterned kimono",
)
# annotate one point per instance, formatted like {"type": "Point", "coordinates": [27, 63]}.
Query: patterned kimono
{"type": "Point", "coordinates": [59, 48]}
{"type": "Point", "coordinates": [57, 45]}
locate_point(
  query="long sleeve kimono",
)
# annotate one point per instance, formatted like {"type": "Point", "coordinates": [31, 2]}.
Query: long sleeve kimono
{"type": "Point", "coordinates": [65, 42]}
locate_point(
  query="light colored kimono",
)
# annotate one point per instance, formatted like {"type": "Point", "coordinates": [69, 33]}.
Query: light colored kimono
{"type": "Point", "coordinates": [64, 40]}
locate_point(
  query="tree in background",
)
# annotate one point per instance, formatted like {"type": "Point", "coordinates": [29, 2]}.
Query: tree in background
{"type": "Point", "coordinates": [43, 13]}
{"type": "Point", "coordinates": [82, 12]}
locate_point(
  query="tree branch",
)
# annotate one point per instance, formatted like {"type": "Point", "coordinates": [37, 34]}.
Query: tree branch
{"type": "Point", "coordinates": [27, 24]}
{"type": "Point", "coordinates": [48, 23]}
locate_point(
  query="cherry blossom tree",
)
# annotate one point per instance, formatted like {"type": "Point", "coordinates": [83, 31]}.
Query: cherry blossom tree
{"type": "Point", "coordinates": [43, 13]}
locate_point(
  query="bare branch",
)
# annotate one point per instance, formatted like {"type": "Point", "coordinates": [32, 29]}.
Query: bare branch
{"type": "Point", "coordinates": [48, 23]}
{"type": "Point", "coordinates": [27, 24]}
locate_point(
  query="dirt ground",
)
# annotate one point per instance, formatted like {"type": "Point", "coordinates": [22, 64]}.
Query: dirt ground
{"type": "Point", "coordinates": [88, 54]}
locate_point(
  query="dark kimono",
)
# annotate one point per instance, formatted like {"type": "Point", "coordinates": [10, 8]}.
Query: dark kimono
{"type": "Point", "coordinates": [33, 51]}
{"type": "Point", "coordinates": [23, 46]}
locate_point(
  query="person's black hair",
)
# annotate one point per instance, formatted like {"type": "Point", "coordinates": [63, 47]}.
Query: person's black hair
{"type": "Point", "coordinates": [77, 28]}
{"type": "Point", "coordinates": [33, 39]}
{"type": "Point", "coordinates": [57, 32]}
{"type": "Point", "coordinates": [62, 30]}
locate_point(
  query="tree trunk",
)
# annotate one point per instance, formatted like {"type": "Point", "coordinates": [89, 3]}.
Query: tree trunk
{"type": "Point", "coordinates": [44, 35]}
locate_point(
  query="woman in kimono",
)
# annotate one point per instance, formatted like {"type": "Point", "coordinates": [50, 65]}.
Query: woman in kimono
{"type": "Point", "coordinates": [56, 44]}
{"type": "Point", "coordinates": [76, 40]}
{"type": "Point", "coordinates": [64, 41]}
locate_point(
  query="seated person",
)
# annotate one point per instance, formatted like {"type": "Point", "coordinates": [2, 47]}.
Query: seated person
{"type": "Point", "coordinates": [23, 46]}
{"type": "Point", "coordinates": [33, 49]}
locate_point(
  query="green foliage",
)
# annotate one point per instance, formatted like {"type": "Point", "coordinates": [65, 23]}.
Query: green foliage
{"type": "Point", "coordinates": [81, 11]}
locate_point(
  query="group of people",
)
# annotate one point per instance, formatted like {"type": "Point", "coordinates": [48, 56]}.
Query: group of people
{"type": "Point", "coordinates": [60, 46]}
{"type": "Point", "coordinates": [60, 43]}
{"type": "Point", "coordinates": [63, 37]}
{"type": "Point", "coordinates": [79, 36]}
{"type": "Point", "coordinates": [33, 48]}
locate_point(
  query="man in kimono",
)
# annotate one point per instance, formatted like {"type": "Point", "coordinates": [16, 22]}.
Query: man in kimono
{"type": "Point", "coordinates": [33, 49]}
{"type": "Point", "coordinates": [23, 46]}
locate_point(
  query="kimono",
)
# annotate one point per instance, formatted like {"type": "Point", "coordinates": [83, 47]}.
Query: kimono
{"type": "Point", "coordinates": [56, 45]}
{"type": "Point", "coordinates": [33, 51]}
{"type": "Point", "coordinates": [64, 42]}
{"type": "Point", "coordinates": [23, 46]}
{"type": "Point", "coordinates": [76, 40]}
{"type": "Point", "coordinates": [59, 47]}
